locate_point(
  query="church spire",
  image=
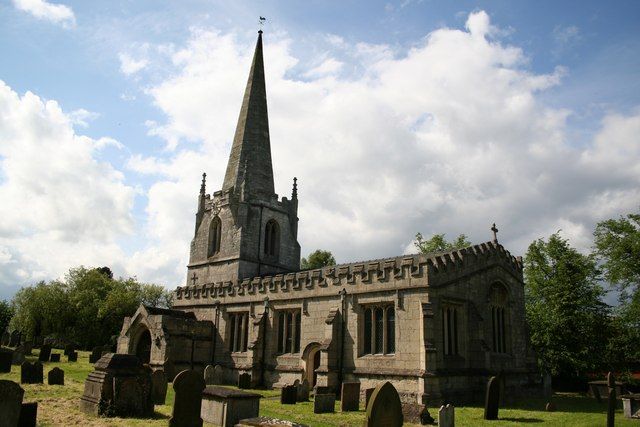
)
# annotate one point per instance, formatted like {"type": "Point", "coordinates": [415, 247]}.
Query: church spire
{"type": "Point", "coordinates": [249, 169]}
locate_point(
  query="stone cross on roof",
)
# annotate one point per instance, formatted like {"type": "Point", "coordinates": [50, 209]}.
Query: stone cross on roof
{"type": "Point", "coordinates": [495, 232]}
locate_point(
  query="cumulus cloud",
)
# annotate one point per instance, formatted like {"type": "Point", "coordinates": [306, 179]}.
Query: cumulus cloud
{"type": "Point", "coordinates": [129, 65]}
{"type": "Point", "coordinates": [41, 9]}
{"type": "Point", "coordinates": [61, 206]}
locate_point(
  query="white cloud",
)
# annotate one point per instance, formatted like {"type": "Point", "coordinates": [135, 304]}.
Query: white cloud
{"type": "Point", "coordinates": [129, 65]}
{"type": "Point", "coordinates": [82, 117]}
{"type": "Point", "coordinates": [61, 207]}
{"type": "Point", "coordinates": [41, 9]}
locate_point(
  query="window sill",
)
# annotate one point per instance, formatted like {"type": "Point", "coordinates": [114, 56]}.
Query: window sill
{"type": "Point", "coordinates": [377, 355]}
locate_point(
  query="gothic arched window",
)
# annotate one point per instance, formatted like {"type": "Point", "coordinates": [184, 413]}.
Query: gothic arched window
{"type": "Point", "coordinates": [215, 234]}
{"type": "Point", "coordinates": [379, 329]}
{"type": "Point", "coordinates": [272, 238]}
{"type": "Point", "coordinates": [499, 317]}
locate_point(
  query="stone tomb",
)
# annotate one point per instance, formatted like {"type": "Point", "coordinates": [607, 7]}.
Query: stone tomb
{"type": "Point", "coordinates": [289, 395]}
{"type": "Point", "coordinates": [446, 416]}
{"type": "Point", "coordinates": [324, 402]}
{"type": "Point", "coordinates": [385, 408]}
{"type": "Point", "coordinates": [119, 386]}
{"type": "Point", "coordinates": [244, 381]}
{"type": "Point", "coordinates": [187, 403]}
{"type": "Point", "coordinates": [631, 405]}
{"type": "Point", "coordinates": [267, 422]}
{"type": "Point", "coordinates": [158, 387]}
{"type": "Point", "coordinates": [6, 357]}
{"type": "Point", "coordinates": [11, 395]}
{"type": "Point", "coordinates": [45, 353]}
{"type": "Point", "coordinates": [492, 399]}
{"type": "Point", "coordinates": [31, 373]}
{"type": "Point", "coordinates": [55, 377]}
{"type": "Point", "coordinates": [28, 414]}
{"type": "Point", "coordinates": [350, 396]}
{"type": "Point", "coordinates": [55, 357]}
{"type": "Point", "coordinates": [226, 407]}
{"type": "Point", "coordinates": [72, 357]}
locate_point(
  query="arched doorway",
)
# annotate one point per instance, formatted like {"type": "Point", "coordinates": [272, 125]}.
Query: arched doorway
{"type": "Point", "coordinates": [143, 348]}
{"type": "Point", "coordinates": [311, 358]}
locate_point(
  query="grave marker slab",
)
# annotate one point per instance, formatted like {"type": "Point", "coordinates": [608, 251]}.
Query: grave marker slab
{"type": "Point", "coordinates": [222, 406]}
{"type": "Point", "coordinates": [18, 355]}
{"type": "Point", "coordinates": [55, 357]}
{"type": "Point", "coordinates": [385, 408]}
{"type": "Point", "coordinates": [69, 348]}
{"type": "Point", "coordinates": [324, 403]}
{"type": "Point", "coordinates": [244, 381]}
{"type": "Point", "coordinates": [492, 399]}
{"type": "Point", "coordinates": [350, 396]}
{"type": "Point", "coordinates": [31, 373]}
{"type": "Point", "coordinates": [55, 377]}
{"type": "Point", "coordinates": [96, 354]}
{"type": "Point", "coordinates": [6, 357]}
{"type": "Point", "coordinates": [45, 353]}
{"type": "Point", "coordinates": [303, 391]}
{"type": "Point", "coordinates": [187, 404]}
{"type": "Point", "coordinates": [209, 375]}
{"type": "Point", "coordinates": [289, 395]}
{"type": "Point", "coordinates": [11, 395]}
{"type": "Point", "coordinates": [72, 357]}
{"type": "Point", "coordinates": [15, 339]}
{"type": "Point", "coordinates": [6, 338]}
{"type": "Point", "coordinates": [158, 387]}
{"type": "Point", "coordinates": [28, 414]}
{"type": "Point", "coordinates": [446, 416]}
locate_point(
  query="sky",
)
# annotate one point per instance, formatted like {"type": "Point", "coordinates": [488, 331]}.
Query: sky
{"type": "Point", "coordinates": [396, 117]}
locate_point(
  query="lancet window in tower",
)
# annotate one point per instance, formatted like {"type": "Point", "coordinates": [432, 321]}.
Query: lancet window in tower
{"type": "Point", "coordinates": [499, 318]}
{"type": "Point", "coordinates": [450, 330]}
{"type": "Point", "coordinates": [215, 234]}
{"type": "Point", "coordinates": [272, 238]}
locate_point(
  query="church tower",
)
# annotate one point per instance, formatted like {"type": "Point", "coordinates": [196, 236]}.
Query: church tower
{"type": "Point", "coordinates": [244, 230]}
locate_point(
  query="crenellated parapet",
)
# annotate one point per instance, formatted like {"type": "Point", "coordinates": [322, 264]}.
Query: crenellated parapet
{"type": "Point", "coordinates": [406, 271]}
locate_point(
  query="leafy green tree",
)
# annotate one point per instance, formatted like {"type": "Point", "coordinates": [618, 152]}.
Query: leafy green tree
{"type": "Point", "coordinates": [438, 243]}
{"type": "Point", "coordinates": [568, 321]}
{"type": "Point", "coordinates": [6, 313]}
{"type": "Point", "coordinates": [317, 259]}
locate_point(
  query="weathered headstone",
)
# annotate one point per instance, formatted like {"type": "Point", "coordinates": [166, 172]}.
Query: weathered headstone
{"type": "Point", "coordinates": [6, 357]}
{"type": "Point", "coordinates": [492, 399]}
{"type": "Point", "coordinates": [69, 348]}
{"type": "Point", "coordinates": [324, 403]}
{"type": "Point", "coordinates": [11, 395]}
{"type": "Point", "coordinates": [28, 347]}
{"type": "Point", "coordinates": [350, 400]}
{"type": "Point", "coordinates": [611, 404]}
{"type": "Point", "coordinates": [385, 408]}
{"type": "Point", "coordinates": [28, 414]}
{"type": "Point", "coordinates": [31, 373]}
{"type": "Point", "coordinates": [367, 396]}
{"type": "Point", "coordinates": [188, 386]}
{"type": "Point", "coordinates": [55, 377]}
{"type": "Point", "coordinates": [96, 354]}
{"type": "Point", "coordinates": [244, 381]}
{"type": "Point", "coordinates": [119, 386]}
{"type": "Point", "coordinates": [158, 387]}
{"type": "Point", "coordinates": [550, 407]}
{"type": "Point", "coordinates": [18, 355]}
{"type": "Point", "coordinates": [210, 375]}
{"type": "Point", "coordinates": [303, 391]}
{"type": "Point", "coordinates": [72, 357]}
{"type": "Point", "coordinates": [15, 339]}
{"type": "Point", "coordinates": [425, 417]}
{"type": "Point", "coordinates": [45, 353]}
{"type": "Point", "coordinates": [55, 357]}
{"type": "Point", "coordinates": [446, 416]}
{"type": "Point", "coordinates": [289, 395]}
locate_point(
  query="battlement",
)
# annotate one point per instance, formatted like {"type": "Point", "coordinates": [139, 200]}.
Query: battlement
{"type": "Point", "coordinates": [418, 270]}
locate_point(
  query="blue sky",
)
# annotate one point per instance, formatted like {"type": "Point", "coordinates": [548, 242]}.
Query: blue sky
{"type": "Point", "coordinates": [396, 117]}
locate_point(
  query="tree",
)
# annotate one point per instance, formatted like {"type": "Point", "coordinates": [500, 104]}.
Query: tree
{"type": "Point", "coordinates": [6, 313]}
{"type": "Point", "coordinates": [437, 243]}
{"type": "Point", "coordinates": [317, 259]}
{"type": "Point", "coordinates": [568, 321]}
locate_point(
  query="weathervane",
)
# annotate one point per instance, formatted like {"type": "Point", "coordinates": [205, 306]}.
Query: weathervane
{"type": "Point", "coordinates": [261, 22]}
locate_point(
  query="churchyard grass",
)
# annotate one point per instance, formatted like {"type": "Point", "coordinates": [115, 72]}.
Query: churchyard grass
{"type": "Point", "coordinates": [59, 405]}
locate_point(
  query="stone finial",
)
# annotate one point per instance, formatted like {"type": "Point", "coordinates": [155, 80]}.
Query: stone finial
{"type": "Point", "coordinates": [294, 192]}
{"type": "Point", "coordinates": [204, 183]}
{"type": "Point", "coordinates": [495, 232]}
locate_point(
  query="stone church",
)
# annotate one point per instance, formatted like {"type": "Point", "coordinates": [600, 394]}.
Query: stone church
{"type": "Point", "coordinates": [436, 325]}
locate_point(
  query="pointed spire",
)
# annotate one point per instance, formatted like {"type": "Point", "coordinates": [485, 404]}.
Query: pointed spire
{"type": "Point", "coordinates": [204, 183]}
{"type": "Point", "coordinates": [249, 169]}
{"type": "Point", "coordinates": [294, 192]}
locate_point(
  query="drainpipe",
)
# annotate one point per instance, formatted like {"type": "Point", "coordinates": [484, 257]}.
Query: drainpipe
{"type": "Point", "coordinates": [215, 332]}
{"type": "Point", "coordinates": [343, 302]}
{"type": "Point", "coordinates": [265, 315]}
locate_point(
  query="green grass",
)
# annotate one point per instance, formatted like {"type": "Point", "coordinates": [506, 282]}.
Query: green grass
{"type": "Point", "coordinates": [59, 406]}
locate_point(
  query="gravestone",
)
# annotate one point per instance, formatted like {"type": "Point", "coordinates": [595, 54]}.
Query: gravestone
{"type": "Point", "coordinates": [446, 416]}
{"type": "Point", "coordinates": [244, 381]}
{"type": "Point", "coordinates": [15, 339]}
{"type": "Point", "coordinates": [6, 338]}
{"type": "Point", "coordinates": [550, 407]}
{"type": "Point", "coordinates": [225, 407]}
{"type": "Point", "coordinates": [45, 353]}
{"type": "Point", "coordinates": [289, 395]}
{"type": "Point", "coordinates": [28, 414]}
{"type": "Point", "coordinates": [55, 357]}
{"type": "Point", "coordinates": [96, 354]}
{"type": "Point", "coordinates": [6, 357]}
{"type": "Point", "coordinates": [324, 403]}
{"type": "Point", "coordinates": [31, 373]}
{"type": "Point", "coordinates": [187, 403]}
{"type": "Point", "coordinates": [303, 391]}
{"type": "Point", "coordinates": [55, 377]}
{"type": "Point", "coordinates": [208, 375]}
{"type": "Point", "coordinates": [119, 386]}
{"type": "Point", "coordinates": [69, 348]}
{"type": "Point", "coordinates": [492, 399]}
{"type": "Point", "coordinates": [72, 357]}
{"type": "Point", "coordinates": [11, 395]}
{"type": "Point", "coordinates": [367, 396]}
{"type": "Point", "coordinates": [385, 408]}
{"type": "Point", "coordinates": [631, 405]}
{"type": "Point", "coordinates": [28, 347]}
{"type": "Point", "coordinates": [350, 396]}
{"type": "Point", "coordinates": [18, 355]}
{"type": "Point", "coordinates": [158, 387]}
{"type": "Point", "coordinates": [611, 404]}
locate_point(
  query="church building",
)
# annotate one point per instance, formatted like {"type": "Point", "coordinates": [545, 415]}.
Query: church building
{"type": "Point", "coordinates": [435, 325]}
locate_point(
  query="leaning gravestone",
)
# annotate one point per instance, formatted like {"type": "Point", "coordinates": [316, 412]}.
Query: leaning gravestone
{"type": "Point", "coordinates": [96, 354]}
{"type": "Point", "coordinates": [289, 395]}
{"type": "Point", "coordinates": [28, 414]}
{"type": "Point", "coordinates": [45, 353]}
{"type": "Point", "coordinates": [350, 400]}
{"type": "Point", "coordinates": [11, 395]}
{"type": "Point", "coordinates": [303, 391]}
{"type": "Point", "coordinates": [324, 403]}
{"type": "Point", "coordinates": [55, 377]}
{"type": "Point", "coordinates": [492, 399]}
{"type": "Point", "coordinates": [158, 387]}
{"type": "Point", "coordinates": [55, 357]}
{"type": "Point", "coordinates": [611, 404]}
{"type": "Point", "coordinates": [72, 357]}
{"type": "Point", "coordinates": [385, 408]}
{"type": "Point", "coordinates": [6, 357]}
{"type": "Point", "coordinates": [446, 416]}
{"type": "Point", "coordinates": [244, 381]}
{"type": "Point", "coordinates": [187, 403]}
